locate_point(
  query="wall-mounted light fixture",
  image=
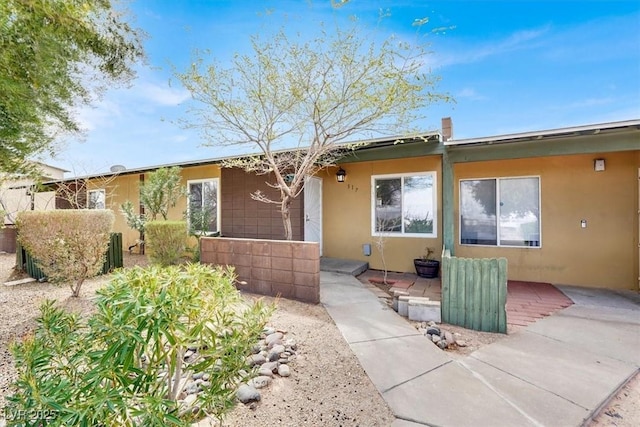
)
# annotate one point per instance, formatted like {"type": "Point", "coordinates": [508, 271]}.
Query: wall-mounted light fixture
{"type": "Point", "coordinates": [598, 165]}
{"type": "Point", "coordinates": [341, 175]}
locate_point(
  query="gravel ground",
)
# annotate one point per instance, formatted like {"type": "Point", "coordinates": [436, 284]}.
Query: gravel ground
{"type": "Point", "coordinates": [327, 387]}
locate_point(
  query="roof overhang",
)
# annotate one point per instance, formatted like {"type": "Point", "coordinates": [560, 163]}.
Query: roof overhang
{"type": "Point", "coordinates": [359, 146]}
{"type": "Point", "coordinates": [567, 132]}
{"type": "Point", "coordinates": [413, 145]}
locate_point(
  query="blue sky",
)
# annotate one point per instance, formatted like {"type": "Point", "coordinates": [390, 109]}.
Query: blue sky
{"type": "Point", "coordinates": [510, 65]}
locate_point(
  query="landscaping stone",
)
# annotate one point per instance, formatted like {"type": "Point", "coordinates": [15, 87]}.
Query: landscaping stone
{"type": "Point", "coordinates": [281, 351]}
{"type": "Point", "coordinates": [264, 372]}
{"type": "Point", "coordinates": [284, 370]}
{"type": "Point", "coordinates": [442, 338]}
{"type": "Point", "coordinates": [260, 382]}
{"type": "Point", "coordinates": [448, 336]}
{"type": "Point", "coordinates": [190, 400]}
{"type": "Point", "coordinates": [433, 330]}
{"type": "Point", "coordinates": [275, 338]}
{"type": "Point", "coordinates": [273, 366]}
{"type": "Point", "coordinates": [247, 394]}
{"type": "Point", "coordinates": [256, 359]}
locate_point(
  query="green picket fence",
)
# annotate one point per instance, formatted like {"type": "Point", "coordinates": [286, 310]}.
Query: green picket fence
{"type": "Point", "coordinates": [474, 293]}
{"type": "Point", "coordinates": [113, 258]}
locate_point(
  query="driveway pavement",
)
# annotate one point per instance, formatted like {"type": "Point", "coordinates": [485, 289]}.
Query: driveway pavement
{"type": "Point", "coordinates": [559, 371]}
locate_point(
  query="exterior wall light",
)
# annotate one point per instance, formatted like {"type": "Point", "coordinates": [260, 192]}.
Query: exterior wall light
{"type": "Point", "coordinates": [598, 165]}
{"type": "Point", "coordinates": [341, 175]}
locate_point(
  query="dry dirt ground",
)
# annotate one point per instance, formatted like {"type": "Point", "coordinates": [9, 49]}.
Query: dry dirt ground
{"type": "Point", "coordinates": [327, 386]}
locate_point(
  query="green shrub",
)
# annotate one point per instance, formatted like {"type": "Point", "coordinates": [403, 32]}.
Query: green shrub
{"type": "Point", "coordinates": [67, 245]}
{"type": "Point", "coordinates": [166, 241]}
{"type": "Point", "coordinates": [123, 367]}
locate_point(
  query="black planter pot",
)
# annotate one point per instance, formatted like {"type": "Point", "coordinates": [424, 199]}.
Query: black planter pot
{"type": "Point", "coordinates": [428, 268]}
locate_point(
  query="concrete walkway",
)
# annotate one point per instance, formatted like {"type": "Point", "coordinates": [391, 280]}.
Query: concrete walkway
{"type": "Point", "coordinates": [558, 371]}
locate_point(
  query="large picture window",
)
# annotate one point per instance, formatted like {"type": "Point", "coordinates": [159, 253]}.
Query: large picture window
{"type": "Point", "coordinates": [203, 206]}
{"type": "Point", "coordinates": [500, 212]}
{"type": "Point", "coordinates": [96, 199]}
{"type": "Point", "coordinates": [404, 205]}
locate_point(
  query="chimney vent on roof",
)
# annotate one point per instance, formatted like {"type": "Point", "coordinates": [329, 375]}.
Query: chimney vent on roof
{"type": "Point", "coordinates": [447, 129]}
{"type": "Point", "coordinates": [117, 168]}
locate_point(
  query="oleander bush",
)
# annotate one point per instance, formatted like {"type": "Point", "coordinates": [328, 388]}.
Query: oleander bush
{"type": "Point", "coordinates": [125, 366]}
{"type": "Point", "coordinates": [67, 245]}
{"type": "Point", "coordinates": [166, 241]}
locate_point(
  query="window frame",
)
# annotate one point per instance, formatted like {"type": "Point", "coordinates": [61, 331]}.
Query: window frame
{"type": "Point", "coordinates": [434, 204]}
{"type": "Point", "coordinates": [218, 211]}
{"type": "Point", "coordinates": [497, 179]}
{"type": "Point", "coordinates": [104, 197]}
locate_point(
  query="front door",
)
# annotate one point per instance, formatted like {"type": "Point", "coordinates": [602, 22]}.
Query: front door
{"type": "Point", "coordinates": [313, 211]}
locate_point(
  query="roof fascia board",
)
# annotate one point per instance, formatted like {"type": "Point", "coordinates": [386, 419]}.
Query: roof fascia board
{"type": "Point", "coordinates": [393, 152]}
{"type": "Point", "coordinates": [594, 129]}
{"type": "Point", "coordinates": [600, 143]}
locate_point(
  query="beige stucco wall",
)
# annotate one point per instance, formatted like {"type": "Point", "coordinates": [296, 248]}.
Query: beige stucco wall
{"type": "Point", "coordinates": [121, 188]}
{"type": "Point", "coordinates": [605, 253]}
{"type": "Point", "coordinates": [347, 214]}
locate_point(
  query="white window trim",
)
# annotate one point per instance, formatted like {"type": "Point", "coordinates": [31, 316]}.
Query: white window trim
{"type": "Point", "coordinates": [497, 179]}
{"type": "Point", "coordinates": [434, 202]}
{"type": "Point", "coordinates": [198, 181]}
{"type": "Point", "coordinates": [97, 190]}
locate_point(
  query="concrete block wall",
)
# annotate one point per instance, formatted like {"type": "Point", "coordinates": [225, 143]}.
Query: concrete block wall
{"type": "Point", "coordinates": [290, 269]}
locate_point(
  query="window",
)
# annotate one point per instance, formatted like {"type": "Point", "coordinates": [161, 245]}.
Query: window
{"type": "Point", "coordinates": [404, 205]}
{"type": "Point", "coordinates": [96, 199]}
{"type": "Point", "coordinates": [500, 212]}
{"type": "Point", "coordinates": [203, 206]}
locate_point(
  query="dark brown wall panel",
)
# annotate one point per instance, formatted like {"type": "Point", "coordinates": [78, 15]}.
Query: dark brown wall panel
{"type": "Point", "coordinates": [243, 217]}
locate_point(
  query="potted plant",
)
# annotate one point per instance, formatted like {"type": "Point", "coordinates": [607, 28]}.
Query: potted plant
{"type": "Point", "coordinates": [426, 266]}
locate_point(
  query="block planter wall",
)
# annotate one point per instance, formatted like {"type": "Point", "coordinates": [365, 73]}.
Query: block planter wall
{"type": "Point", "coordinates": [290, 269]}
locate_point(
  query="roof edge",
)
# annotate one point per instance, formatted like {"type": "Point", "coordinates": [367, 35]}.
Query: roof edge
{"type": "Point", "coordinates": [366, 143]}
{"type": "Point", "coordinates": [566, 131]}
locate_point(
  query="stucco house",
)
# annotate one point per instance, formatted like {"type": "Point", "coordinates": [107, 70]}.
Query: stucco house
{"type": "Point", "coordinates": [561, 204]}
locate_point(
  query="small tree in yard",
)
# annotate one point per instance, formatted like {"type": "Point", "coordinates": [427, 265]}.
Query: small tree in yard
{"type": "Point", "coordinates": [309, 97]}
{"type": "Point", "coordinates": [160, 192]}
{"type": "Point", "coordinates": [67, 245]}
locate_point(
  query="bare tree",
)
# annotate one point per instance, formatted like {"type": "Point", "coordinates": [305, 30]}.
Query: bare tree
{"type": "Point", "coordinates": [298, 102]}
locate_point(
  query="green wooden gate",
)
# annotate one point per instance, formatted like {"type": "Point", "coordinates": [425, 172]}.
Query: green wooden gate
{"type": "Point", "coordinates": [474, 293]}
{"type": "Point", "coordinates": [113, 258]}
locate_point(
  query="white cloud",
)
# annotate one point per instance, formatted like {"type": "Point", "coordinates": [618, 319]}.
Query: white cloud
{"type": "Point", "coordinates": [162, 95]}
{"type": "Point", "coordinates": [468, 53]}
{"type": "Point", "coordinates": [589, 102]}
{"type": "Point", "coordinates": [99, 115]}
{"type": "Point", "coordinates": [471, 94]}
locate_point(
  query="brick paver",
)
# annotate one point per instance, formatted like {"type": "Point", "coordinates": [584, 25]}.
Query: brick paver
{"type": "Point", "coordinates": [527, 302]}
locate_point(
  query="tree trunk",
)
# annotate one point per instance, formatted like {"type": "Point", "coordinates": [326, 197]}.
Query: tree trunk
{"type": "Point", "coordinates": [286, 217]}
{"type": "Point", "coordinates": [75, 289]}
